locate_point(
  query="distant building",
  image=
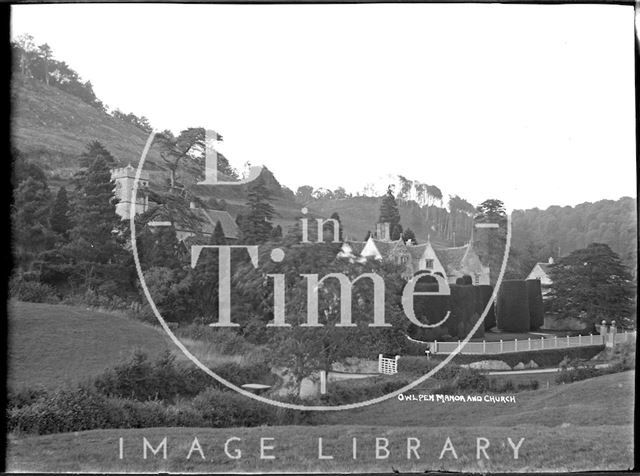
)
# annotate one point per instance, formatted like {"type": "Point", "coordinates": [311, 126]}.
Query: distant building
{"type": "Point", "coordinates": [541, 272]}
{"type": "Point", "coordinates": [451, 263]}
{"type": "Point", "coordinates": [124, 179]}
{"type": "Point", "coordinates": [196, 224]}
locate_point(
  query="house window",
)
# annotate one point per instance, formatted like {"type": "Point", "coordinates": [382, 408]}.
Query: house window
{"type": "Point", "coordinates": [476, 279]}
{"type": "Point", "coordinates": [428, 264]}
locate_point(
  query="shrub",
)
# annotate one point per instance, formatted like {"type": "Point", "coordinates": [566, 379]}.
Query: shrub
{"type": "Point", "coordinates": [463, 312]}
{"type": "Point", "coordinates": [222, 409]}
{"type": "Point", "coordinates": [25, 397]}
{"type": "Point", "coordinates": [32, 291]}
{"type": "Point", "coordinates": [513, 307]}
{"type": "Point", "coordinates": [536, 307]}
{"type": "Point", "coordinates": [227, 341]}
{"type": "Point", "coordinates": [62, 410]}
{"type": "Point", "coordinates": [141, 379]}
{"type": "Point", "coordinates": [484, 293]}
{"type": "Point", "coordinates": [358, 390]}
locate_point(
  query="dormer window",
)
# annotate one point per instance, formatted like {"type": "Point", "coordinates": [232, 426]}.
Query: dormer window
{"type": "Point", "coordinates": [428, 264]}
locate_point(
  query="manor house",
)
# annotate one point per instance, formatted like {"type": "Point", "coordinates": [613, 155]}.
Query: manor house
{"type": "Point", "coordinates": [451, 263]}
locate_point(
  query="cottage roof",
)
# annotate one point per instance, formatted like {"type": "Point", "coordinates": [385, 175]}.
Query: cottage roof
{"type": "Point", "coordinates": [451, 258]}
{"type": "Point", "coordinates": [356, 246]}
{"type": "Point", "coordinates": [546, 267]}
{"type": "Point", "coordinates": [417, 251]}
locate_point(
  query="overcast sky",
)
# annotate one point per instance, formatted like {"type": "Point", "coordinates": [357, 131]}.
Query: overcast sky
{"type": "Point", "coordinates": [531, 104]}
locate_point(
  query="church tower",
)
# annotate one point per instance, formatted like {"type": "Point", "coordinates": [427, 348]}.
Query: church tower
{"type": "Point", "coordinates": [124, 178]}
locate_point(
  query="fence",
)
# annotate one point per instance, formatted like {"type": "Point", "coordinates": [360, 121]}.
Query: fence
{"type": "Point", "coordinates": [388, 366]}
{"type": "Point", "coordinates": [544, 343]}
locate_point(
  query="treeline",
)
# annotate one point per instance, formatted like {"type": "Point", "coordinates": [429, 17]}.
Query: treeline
{"type": "Point", "coordinates": [557, 231]}
{"type": "Point", "coordinates": [37, 62]}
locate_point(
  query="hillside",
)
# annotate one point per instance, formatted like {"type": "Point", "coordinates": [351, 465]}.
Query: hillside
{"type": "Point", "coordinates": [51, 345]}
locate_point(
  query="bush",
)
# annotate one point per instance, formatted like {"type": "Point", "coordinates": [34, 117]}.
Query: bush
{"type": "Point", "coordinates": [222, 409]}
{"type": "Point", "coordinates": [32, 291]}
{"type": "Point", "coordinates": [227, 341]}
{"type": "Point", "coordinates": [463, 312]}
{"type": "Point", "coordinates": [536, 307]}
{"type": "Point", "coordinates": [141, 379]}
{"type": "Point", "coordinates": [513, 307]}
{"type": "Point", "coordinates": [484, 293]}
{"type": "Point", "coordinates": [63, 410]}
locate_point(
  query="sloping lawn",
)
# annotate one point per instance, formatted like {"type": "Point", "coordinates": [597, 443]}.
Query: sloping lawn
{"type": "Point", "coordinates": [52, 345]}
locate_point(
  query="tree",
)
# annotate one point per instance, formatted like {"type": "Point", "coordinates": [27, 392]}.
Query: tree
{"type": "Point", "coordinates": [490, 243]}
{"type": "Point", "coordinates": [256, 226]}
{"type": "Point", "coordinates": [60, 221]}
{"type": "Point", "coordinates": [329, 228]}
{"type": "Point", "coordinates": [389, 210]}
{"type": "Point", "coordinates": [409, 235]}
{"type": "Point", "coordinates": [27, 50]}
{"type": "Point", "coordinates": [304, 194]}
{"type": "Point", "coordinates": [276, 233]}
{"type": "Point", "coordinates": [46, 54]}
{"type": "Point", "coordinates": [96, 247]}
{"type": "Point", "coordinates": [173, 150]}
{"type": "Point", "coordinates": [592, 284]}
{"type": "Point", "coordinates": [30, 220]}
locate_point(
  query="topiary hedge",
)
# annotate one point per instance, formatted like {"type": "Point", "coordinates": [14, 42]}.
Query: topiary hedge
{"type": "Point", "coordinates": [513, 306]}
{"type": "Point", "coordinates": [536, 307]}
{"type": "Point", "coordinates": [464, 313]}
{"type": "Point", "coordinates": [429, 309]}
{"type": "Point", "coordinates": [483, 296]}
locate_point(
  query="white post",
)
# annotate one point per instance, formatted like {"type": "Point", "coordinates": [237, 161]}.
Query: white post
{"type": "Point", "coordinates": [529, 343]}
{"type": "Point", "coordinates": [435, 346]}
{"type": "Point", "coordinates": [379, 363]}
{"type": "Point", "coordinates": [484, 346]}
{"type": "Point", "coordinates": [501, 346]}
{"type": "Point", "coordinates": [568, 341]}
{"type": "Point", "coordinates": [591, 337]}
{"type": "Point", "coordinates": [555, 338]}
{"type": "Point", "coordinates": [459, 345]}
{"type": "Point", "coordinates": [541, 342]}
{"type": "Point", "coordinates": [516, 344]}
{"type": "Point", "coordinates": [323, 382]}
{"type": "Point", "coordinates": [579, 339]}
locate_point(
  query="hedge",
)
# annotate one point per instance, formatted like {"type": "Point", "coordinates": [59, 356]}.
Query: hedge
{"type": "Point", "coordinates": [463, 311]}
{"type": "Point", "coordinates": [513, 307]}
{"type": "Point", "coordinates": [429, 309]}
{"type": "Point", "coordinates": [483, 296]}
{"type": "Point", "coordinates": [536, 307]}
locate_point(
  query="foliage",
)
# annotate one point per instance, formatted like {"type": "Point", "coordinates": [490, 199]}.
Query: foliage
{"type": "Point", "coordinates": [592, 284]}
{"type": "Point", "coordinates": [31, 291]}
{"type": "Point", "coordinates": [60, 220]}
{"type": "Point", "coordinates": [536, 306]}
{"type": "Point", "coordinates": [512, 309]}
{"type": "Point", "coordinates": [256, 224]}
{"type": "Point", "coordinates": [358, 390]}
{"type": "Point", "coordinates": [389, 213]}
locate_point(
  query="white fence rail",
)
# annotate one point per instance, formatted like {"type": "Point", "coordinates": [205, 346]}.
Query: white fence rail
{"type": "Point", "coordinates": [543, 343]}
{"type": "Point", "coordinates": [388, 366]}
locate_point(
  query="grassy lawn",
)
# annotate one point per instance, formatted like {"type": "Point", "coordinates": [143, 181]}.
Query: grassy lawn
{"type": "Point", "coordinates": [52, 345]}
{"type": "Point", "coordinates": [296, 449]}
{"type": "Point", "coordinates": [576, 427]}
{"type": "Point", "coordinates": [581, 403]}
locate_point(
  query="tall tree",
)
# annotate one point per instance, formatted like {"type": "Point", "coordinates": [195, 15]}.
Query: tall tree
{"type": "Point", "coordinates": [409, 234]}
{"type": "Point", "coordinates": [256, 225]}
{"type": "Point", "coordinates": [46, 54]}
{"type": "Point", "coordinates": [592, 284]}
{"type": "Point", "coordinates": [60, 221]}
{"type": "Point", "coordinates": [389, 211]}
{"type": "Point", "coordinates": [97, 245]}
{"type": "Point", "coordinates": [490, 243]}
{"type": "Point", "coordinates": [304, 194]}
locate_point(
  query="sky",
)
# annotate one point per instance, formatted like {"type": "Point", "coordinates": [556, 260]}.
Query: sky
{"type": "Point", "coordinates": [531, 104]}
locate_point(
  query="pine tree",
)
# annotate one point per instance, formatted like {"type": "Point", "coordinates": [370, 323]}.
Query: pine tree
{"type": "Point", "coordinates": [409, 235]}
{"type": "Point", "coordinates": [592, 284]}
{"type": "Point", "coordinates": [256, 225]}
{"type": "Point", "coordinates": [389, 212]}
{"type": "Point", "coordinates": [30, 220]}
{"type": "Point", "coordinates": [96, 246]}
{"type": "Point", "coordinates": [60, 222]}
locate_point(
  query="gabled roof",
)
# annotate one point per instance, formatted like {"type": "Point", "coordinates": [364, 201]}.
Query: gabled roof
{"type": "Point", "coordinates": [546, 267]}
{"type": "Point", "coordinates": [451, 258]}
{"type": "Point", "coordinates": [198, 220]}
{"type": "Point", "coordinates": [417, 251]}
{"type": "Point", "coordinates": [356, 246]}
{"type": "Point", "coordinates": [209, 219]}
{"type": "Point", "coordinates": [386, 248]}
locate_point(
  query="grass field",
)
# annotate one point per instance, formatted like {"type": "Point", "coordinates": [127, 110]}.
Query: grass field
{"type": "Point", "coordinates": [52, 345]}
{"type": "Point", "coordinates": [56, 345]}
{"type": "Point", "coordinates": [296, 449]}
{"type": "Point", "coordinates": [582, 426]}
